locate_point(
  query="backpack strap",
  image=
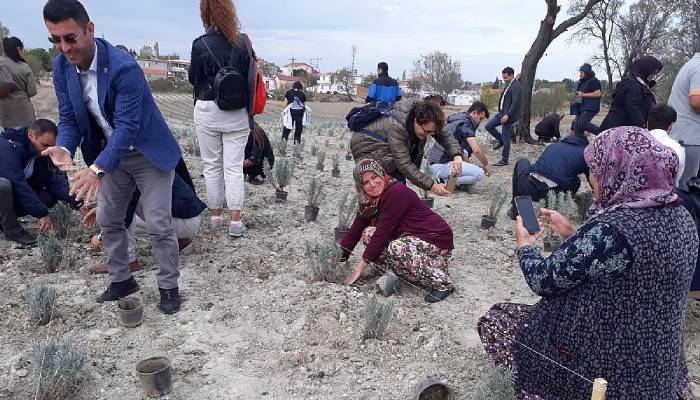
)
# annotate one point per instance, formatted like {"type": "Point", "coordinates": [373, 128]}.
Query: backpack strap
{"type": "Point", "coordinates": [230, 57]}
{"type": "Point", "coordinates": [374, 135]}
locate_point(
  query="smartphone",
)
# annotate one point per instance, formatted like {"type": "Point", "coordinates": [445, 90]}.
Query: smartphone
{"type": "Point", "coordinates": [451, 183]}
{"type": "Point", "coordinates": [527, 212]}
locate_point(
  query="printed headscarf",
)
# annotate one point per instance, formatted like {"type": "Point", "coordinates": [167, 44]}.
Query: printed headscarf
{"type": "Point", "coordinates": [369, 206]}
{"type": "Point", "coordinates": [632, 168]}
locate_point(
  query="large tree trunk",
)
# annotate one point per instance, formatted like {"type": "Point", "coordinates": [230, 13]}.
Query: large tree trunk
{"type": "Point", "coordinates": [528, 70]}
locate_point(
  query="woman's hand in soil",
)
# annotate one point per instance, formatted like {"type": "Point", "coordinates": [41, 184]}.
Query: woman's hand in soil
{"type": "Point", "coordinates": [457, 165]}
{"type": "Point", "coordinates": [439, 190]}
{"type": "Point", "coordinates": [45, 224]}
{"type": "Point", "coordinates": [522, 236]}
{"type": "Point", "coordinates": [359, 267]}
{"type": "Point", "coordinates": [557, 222]}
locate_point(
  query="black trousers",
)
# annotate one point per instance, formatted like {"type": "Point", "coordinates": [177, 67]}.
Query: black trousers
{"type": "Point", "coordinates": [526, 185]}
{"type": "Point", "coordinates": [298, 127]}
{"type": "Point", "coordinates": [253, 171]}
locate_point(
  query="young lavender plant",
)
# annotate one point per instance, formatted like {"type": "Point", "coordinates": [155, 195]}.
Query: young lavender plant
{"type": "Point", "coordinates": [321, 158]}
{"type": "Point", "coordinates": [314, 148]}
{"type": "Point", "coordinates": [347, 208]}
{"type": "Point", "coordinates": [429, 173]}
{"type": "Point", "coordinates": [57, 369]}
{"type": "Point", "coordinates": [280, 145]}
{"type": "Point", "coordinates": [497, 386]}
{"type": "Point", "coordinates": [335, 161]}
{"type": "Point", "coordinates": [51, 247]}
{"type": "Point", "coordinates": [281, 176]}
{"type": "Point", "coordinates": [41, 299]}
{"type": "Point", "coordinates": [315, 194]}
{"type": "Point", "coordinates": [60, 216]}
{"type": "Point", "coordinates": [296, 150]}
{"type": "Point", "coordinates": [497, 201]}
{"type": "Point", "coordinates": [584, 201]}
{"type": "Point", "coordinates": [324, 260]}
{"type": "Point", "coordinates": [377, 316]}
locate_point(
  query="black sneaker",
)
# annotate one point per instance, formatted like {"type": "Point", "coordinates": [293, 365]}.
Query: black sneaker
{"type": "Point", "coordinates": [117, 290]}
{"type": "Point", "coordinates": [512, 213]}
{"type": "Point", "coordinates": [438, 295]}
{"type": "Point", "coordinates": [498, 146]}
{"type": "Point", "coordinates": [169, 301]}
{"type": "Point", "coordinates": [22, 237]}
{"type": "Point", "coordinates": [501, 163]}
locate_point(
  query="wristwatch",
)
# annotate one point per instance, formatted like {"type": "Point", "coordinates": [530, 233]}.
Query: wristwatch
{"type": "Point", "coordinates": [100, 173]}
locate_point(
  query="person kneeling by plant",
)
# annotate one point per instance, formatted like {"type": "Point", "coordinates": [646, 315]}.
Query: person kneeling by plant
{"type": "Point", "coordinates": [400, 233]}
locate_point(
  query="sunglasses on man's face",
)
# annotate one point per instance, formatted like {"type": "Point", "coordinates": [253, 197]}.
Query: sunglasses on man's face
{"type": "Point", "coordinates": [69, 39]}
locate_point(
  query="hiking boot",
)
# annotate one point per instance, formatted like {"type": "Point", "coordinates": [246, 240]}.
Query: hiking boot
{"type": "Point", "coordinates": [117, 290]}
{"type": "Point", "coordinates": [236, 229]}
{"type": "Point", "coordinates": [169, 301]}
{"type": "Point", "coordinates": [102, 268]}
{"type": "Point", "coordinates": [438, 295]}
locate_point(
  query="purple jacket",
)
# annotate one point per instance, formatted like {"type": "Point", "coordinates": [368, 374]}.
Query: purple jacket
{"type": "Point", "coordinates": [401, 213]}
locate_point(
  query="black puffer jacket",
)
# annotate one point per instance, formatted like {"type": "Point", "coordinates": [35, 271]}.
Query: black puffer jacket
{"type": "Point", "coordinates": [203, 66]}
{"type": "Point", "coordinates": [630, 106]}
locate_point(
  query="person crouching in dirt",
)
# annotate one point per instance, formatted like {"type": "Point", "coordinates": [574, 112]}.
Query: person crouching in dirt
{"type": "Point", "coordinates": [387, 212]}
{"type": "Point", "coordinates": [257, 150]}
{"type": "Point", "coordinates": [397, 143]}
{"type": "Point", "coordinates": [614, 296]}
{"type": "Point", "coordinates": [186, 209]}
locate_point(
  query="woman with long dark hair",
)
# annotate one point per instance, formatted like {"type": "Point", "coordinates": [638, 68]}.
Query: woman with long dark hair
{"type": "Point", "coordinates": [632, 98]}
{"type": "Point", "coordinates": [16, 109]}
{"type": "Point", "coordinates": [222, 133]}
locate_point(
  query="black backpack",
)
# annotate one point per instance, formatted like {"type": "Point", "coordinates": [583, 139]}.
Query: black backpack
{"type": "Point", "coordinates": [230, 87]}
{"type": "Point", "coordinates": [359, 117]}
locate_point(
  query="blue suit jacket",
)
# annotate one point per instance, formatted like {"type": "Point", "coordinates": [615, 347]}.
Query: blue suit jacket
{"type": "Point", "coordinates": [126, 104]}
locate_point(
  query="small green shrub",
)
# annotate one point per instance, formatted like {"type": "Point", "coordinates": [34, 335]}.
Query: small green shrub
{"type": "Point", "coordinates": [57, 369]}
{"type": "Point", "coordinates": [41, 299]}
{"type": "Point", "coordinates": [584, 201]}
{"type": "Point", "coordinates": [347, 209]}
{"type": "Point", "coordinates": [315, 193]}
{"type": "Point", "coordinates": [281, 176]}
{"type": "Point", "coordinates": [51, 247]}
{"type": "Point", "coordinates": [60, 217]}
{"type": "Point", "coordinates": [498, 199]}
{"type": "Point", "coordinates": [377, 316]}
{"type": "Point", "coordinates": [499, 385]}
{"type": "Point", "coordinates": [324, 259]}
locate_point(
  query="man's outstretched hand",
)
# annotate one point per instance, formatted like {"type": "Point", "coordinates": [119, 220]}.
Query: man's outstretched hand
{"type": "Point", "coordinates": [60, 158]}
{"type": "Point", "coordinates": [85, 186]}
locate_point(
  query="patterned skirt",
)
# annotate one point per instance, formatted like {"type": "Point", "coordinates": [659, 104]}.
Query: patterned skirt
{"type": "Point", "coordinates": [415, 260]}
{"type": "Point", "coordinates": [497, 330]}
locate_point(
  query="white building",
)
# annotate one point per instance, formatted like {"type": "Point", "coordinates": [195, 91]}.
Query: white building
{"type": "Point", "coordinates": [288, 69]}
{"type": "Point", "coordinates": [326, 84]}
{"type": "Point", "coordinates": [463, 97]}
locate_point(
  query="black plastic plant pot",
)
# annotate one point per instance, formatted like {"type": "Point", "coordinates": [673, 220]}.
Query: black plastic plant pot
{"type": "Point", "coordinates": [280, 196]}
{"type": "Point", "coordinates": [335, 173]}
{"type": "Point", "coordinates": [339, 233]}
{"type": "Point", "coordinates": [487, 222]}
{"type": "Point", "coordinates": [428, 201]}
{"type": "Point", "coordinates": [130, 312]}
{"type": "Point", "coordinates": [310, 213]}
{"type": "Point", "coordinates": [155, 375]}
{"type": "Point", "coordinates": [432, 389]}
{"type": "Point", "coordinates": [320, 167]}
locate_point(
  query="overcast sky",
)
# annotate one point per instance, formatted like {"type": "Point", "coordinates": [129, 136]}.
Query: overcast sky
{"type": "Point", "coordinates": [484, 35]}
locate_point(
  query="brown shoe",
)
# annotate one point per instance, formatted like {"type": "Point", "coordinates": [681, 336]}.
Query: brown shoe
{"type": "Point", "coordinates": [102, 268]}
{"type": "Point", "coordinates": [182, 243]}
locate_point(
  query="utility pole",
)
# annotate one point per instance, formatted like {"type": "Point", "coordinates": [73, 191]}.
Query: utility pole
{"type": "Point", "coordinates": [352, 66]}
{"type": "Point", "coordinates": [314, 62]}
{"type": "Point", "coordinates": [292, 60]}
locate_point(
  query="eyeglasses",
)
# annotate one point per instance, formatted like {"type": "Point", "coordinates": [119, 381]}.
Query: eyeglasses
{"type": "Point", "coordinates": [69, 39]}
{"type": "Point", "coordinates": [427, 132]}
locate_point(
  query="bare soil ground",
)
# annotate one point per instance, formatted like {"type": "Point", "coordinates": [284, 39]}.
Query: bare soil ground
{"type": "Point", "coordinates": [253, 324]}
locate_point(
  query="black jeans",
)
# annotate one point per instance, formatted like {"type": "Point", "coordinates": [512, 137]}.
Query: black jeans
{"type": "Point", "coordinates": [583, 123]}
{"type": "Point", "coordinates": [297, 118]}
{"type": "Point", "coordinates": [526, 185]}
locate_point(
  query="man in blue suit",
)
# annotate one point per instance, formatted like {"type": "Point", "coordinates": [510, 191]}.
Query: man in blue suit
{"type": "Point", "coordinates": [107, 108]}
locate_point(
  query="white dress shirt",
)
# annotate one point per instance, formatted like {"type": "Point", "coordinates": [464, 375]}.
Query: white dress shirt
{"type": "Point", "coordinates": [88, 81]}
{"type": "Point", "coordinates": [661, 136]}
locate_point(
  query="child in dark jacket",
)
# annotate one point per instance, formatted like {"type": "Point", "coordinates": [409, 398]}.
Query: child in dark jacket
{"type": "Point", "coordinates": [257, 150]}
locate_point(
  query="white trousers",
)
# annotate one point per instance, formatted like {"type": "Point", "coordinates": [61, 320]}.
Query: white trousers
{"type": "Point", "coordinates": [184, 229]}
{"type": "Point", "coordinates": [222, 157]}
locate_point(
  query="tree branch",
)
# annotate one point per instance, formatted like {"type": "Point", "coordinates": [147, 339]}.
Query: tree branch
{"type": "Point", "coordinates": [573, 20]}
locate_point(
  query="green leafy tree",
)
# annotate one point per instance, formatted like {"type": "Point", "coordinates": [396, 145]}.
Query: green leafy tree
{"type": "Point", "coordinates": [146, 52]}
